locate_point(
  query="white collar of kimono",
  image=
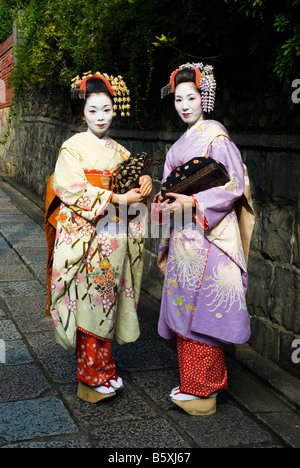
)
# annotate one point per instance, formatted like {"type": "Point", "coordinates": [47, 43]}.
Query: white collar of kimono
{"type": "Point", "coordinates": [100, 140]}
{"type": "Point", "coordinates": [191, 129]}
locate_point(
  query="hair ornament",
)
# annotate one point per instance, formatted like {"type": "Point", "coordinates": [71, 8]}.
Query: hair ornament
{"type": "Point", "coordinates": [115, 85]}
{"type": "Point", "coordinates": [204, 80]}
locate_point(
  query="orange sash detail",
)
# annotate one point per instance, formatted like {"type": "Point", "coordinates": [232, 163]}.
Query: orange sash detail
{"type": "Point", "coordinates": [97, 179]}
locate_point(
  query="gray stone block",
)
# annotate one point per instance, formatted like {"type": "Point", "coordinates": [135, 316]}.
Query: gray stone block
{"type": "Point", "coordinates": [234, 426]}
{"type": "Point", "coordinates": [8, 331]}
{"type": "Point", "coordinates": [21, 382]}
{"type": "Point", "coordinates": [286, 297]}
{"type": "Point", "coordinates": [3, 244]}
{"type": "Point", "coordinates": [144, 354]}
{"type": "Point", "coordinates": [149, 433]}
{"type": "Point", "coordinates": [20, 288]}
{"type": "Point", "coordinates": [23, 420]}
{"type": "Point", "coordinates": [16, 353]}
{"type": "Point", "coordinates": [277, 228]}
{"type": "Point", "coordinates": [35, 304]}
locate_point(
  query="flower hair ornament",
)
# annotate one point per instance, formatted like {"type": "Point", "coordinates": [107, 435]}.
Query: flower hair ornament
{"type": "Point", "coordinates": [115, 85]}
{"type": "Point", "coordinates": [205, 82]}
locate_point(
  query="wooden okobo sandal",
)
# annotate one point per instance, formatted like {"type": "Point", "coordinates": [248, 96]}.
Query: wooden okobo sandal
{"type": "Point", "coordinates": [90, 395]}
{"type": "Point", "coordinates": [198, 406]}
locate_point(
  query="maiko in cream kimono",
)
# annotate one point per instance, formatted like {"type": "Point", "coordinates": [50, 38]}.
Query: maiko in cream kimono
{"type": "Point", "coordinates": [96, 274]}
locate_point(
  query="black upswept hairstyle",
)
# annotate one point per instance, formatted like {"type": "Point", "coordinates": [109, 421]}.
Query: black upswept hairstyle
{"type": "Point", "coordinates": [93, 86]}
{"type": "Point", "coordinates": [185, 75]}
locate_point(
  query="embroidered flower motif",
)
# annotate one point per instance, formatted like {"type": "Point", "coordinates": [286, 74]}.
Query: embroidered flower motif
{"type": "Point", "coordinates": [105, 264]}
{"type": "Point", "coordinates": [135, 230]}
{"type": "Point", "coordinates": [72, 306]}
{"type": "Point", "coordinates": [84, 203]}
{"type": "Point", "coordinates": [106, 250]}
{"type": "Point", "coordinates": [96, 300]}
{"type": "Point", "coordinates": [186, 261]}
{"type": "Point", "coordinates": [100, 280]}
{"type": "Point", "coordinates": [129, 292]}
{"type": "Point", "coordinates": [107, 303]}
{"type": "Point", "coordinates": [67, 239]}
{"type": "Point", "coordinates": [63, 217]}
{"type": "Point", "coordinates": [110, 275]}
{"type": "Point", "coordinates": [55, 274]}
{"type": "Point", "coordinates": [179, 300]}
{"type": "Point", "coordinates": [55, 316]}
{"type": "Point", "coordinates": [78, 220]}
{"type": "Point", "coordinates": [101, 238]}
{"type": "Point", "coordinates": [87, 230]}
{"type": "Point", "coordinates": [79, 279]}
{"type": "Point", "coordinates": [109, 144]}
{"type": "Point", "coordinates": [114, 244]}
{"type": "Point", "coordinates": [225, 288]}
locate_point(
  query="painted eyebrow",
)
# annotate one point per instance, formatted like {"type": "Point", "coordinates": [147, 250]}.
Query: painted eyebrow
{"type": "Point", "coordinates": [95, 107]}
{"type": "Point", "coordinates": [191, 94]}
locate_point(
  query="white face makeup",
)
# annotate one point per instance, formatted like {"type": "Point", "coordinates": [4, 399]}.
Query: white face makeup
{"type": "Point", "coordinates": [98, 113]}
{"type": "Point", "coordinates": [188, 103]}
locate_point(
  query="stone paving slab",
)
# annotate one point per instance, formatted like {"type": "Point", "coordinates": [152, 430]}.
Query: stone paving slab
{"type": "Point", "coordinates": [23, 420]}
{"type": "Point", "coordinates": [31, 323]}
{"type": "Point", "coordinates": [257, 397]}
{"type": "Point", "coordinates": [144, 354]}
{"type": "Point", "coordinates": [66, 444]}
{"type": "Point", "coordinates": [22, 244]}
{"type": "Point", "coordinates": [61, 369]}
{"type": "Point", "coordinates": [8, 330]}
{"type": "Point", "coordinates": [35, 304]}
{"type": "Point", "coordinates": [20, 288]}
{"type": "Point", "coordinates": [16, 353]}
{"type": "Point", "coordinates": [13, 218]}
{"type": "Point", "coordinates": [22, 382]}
{"type": "Point", "coordinates": [8, 257]}
{"type": "Point", "coordinates": [8, 207]}
{"type": "Point", "coordinates": [288, 425]}
{"type": "Point", "coordinates": [3, 244]}
{"type": "Point", "coordinates": [15, 273]}
{"type": "Point", "coordinates": [14, 230]}
{"type": "Point", "coordinates": [231, 422]}
{"type": "Point", "coordinates": [147, 433]}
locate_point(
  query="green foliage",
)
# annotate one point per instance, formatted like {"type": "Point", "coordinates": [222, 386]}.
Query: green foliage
{"type": "Point", "coordinates": [63, 38]}
{"type": "Point", "coordinates": [276, 33]}
{"type": "Point", "coordinates": [5, 21]}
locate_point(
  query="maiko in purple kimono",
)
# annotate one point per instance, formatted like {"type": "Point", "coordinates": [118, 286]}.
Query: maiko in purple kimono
{"type": "Point", "coordinates": [206, 276]}
{"type": "Point", "coordinates": [204, 263]}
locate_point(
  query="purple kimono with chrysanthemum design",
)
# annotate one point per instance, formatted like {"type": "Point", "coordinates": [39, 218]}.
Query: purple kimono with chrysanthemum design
{"type": "Point", "coordinates": [204, 263]}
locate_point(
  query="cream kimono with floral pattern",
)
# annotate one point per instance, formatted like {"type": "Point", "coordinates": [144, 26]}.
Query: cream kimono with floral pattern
{"type": "Point", "coordinates": [96, 274]}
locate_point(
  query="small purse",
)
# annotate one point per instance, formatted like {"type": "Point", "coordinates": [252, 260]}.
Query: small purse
{"type": "Point", "coordinates": [194, 176]}
{"type": "Point", "coordinates": [124, 177]}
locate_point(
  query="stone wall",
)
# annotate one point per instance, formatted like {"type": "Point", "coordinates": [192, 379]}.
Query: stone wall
{"type": "Point", "coordinates": [274, 265]}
